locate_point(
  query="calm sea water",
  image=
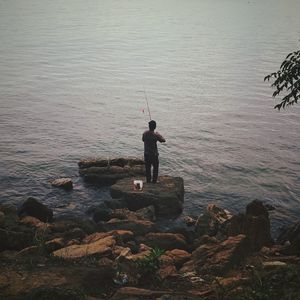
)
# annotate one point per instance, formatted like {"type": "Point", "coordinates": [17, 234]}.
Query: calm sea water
{"type": "Point", "coordinates": [72, 75]}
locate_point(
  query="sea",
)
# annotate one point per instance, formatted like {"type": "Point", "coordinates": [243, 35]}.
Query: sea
{"type": "Point", "coordinates": [75, 75]}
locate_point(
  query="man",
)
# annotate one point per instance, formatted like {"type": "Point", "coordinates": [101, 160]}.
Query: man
{"type": "Point", "coordinates": [150, 139]}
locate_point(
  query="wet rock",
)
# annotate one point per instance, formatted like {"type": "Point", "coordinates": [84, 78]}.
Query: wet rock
{"type": "Point", "coordinates": [108, 171]}
{"type": "Point", "coordinates": [167, 196]}
{"type": "Point", "coordinates": [211, 220]}
{"type": "Point", "coordinates": [139, 227]}
{"type": "Point", "coordinates": [218, 259]}
{"type": "Point", "coordinates": [166, 241]}
{"type": "Point", "coordinates": [65, 183]}
{"type": "Point", "coordinates": [255, 224]}
{"type": "Point", "coordinates": [100, 248]}
{"type": "Point", "coordinates": [34, 208]}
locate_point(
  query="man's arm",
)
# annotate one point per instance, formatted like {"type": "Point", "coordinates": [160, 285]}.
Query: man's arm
{"type": "Point", "coordinates": [160, 138]}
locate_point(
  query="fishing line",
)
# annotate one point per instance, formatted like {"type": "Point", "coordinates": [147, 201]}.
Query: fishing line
{"type": "Point", "coordinates": [146, 98]}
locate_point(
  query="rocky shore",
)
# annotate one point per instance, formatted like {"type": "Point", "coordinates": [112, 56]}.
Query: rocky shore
{"type": "Point", "coordinates": [123, 254]}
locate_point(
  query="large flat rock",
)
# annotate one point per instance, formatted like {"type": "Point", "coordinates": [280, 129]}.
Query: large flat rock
{"type": "Point", "coordinates": [167, 196]}
{"type": "Point", "coordinates": [106, 171]}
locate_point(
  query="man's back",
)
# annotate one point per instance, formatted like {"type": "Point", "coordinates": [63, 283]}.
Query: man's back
{"type": "Point", "coordinates": [150, 139]}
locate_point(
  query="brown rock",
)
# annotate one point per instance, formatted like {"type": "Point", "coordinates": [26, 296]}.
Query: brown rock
{"type": "Point", "coordinates": [139, 227]}
{"type": "Point", "coordinates": [119, 235]}
{"type": "Point", "coordinates": [166, 271]}
{"type": "Point", "coordinates": [102, 247]}
{"type": "Point", "coordinates": [178, 256]}
{"type": "Point", "coordinates": [65, 183]}
{"type": "Point", "coordinates": [166, 241]}
{"type": "Point", "coordinates": [218, 259]}
{"type": "Point", "coordinates": [33, 222]}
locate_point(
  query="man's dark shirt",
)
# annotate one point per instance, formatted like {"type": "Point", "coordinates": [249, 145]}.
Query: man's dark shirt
{"type": "Point", "coordinates": [150, 139]}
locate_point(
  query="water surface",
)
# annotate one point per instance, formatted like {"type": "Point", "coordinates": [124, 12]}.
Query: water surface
{"type": "Point", "coordinates": [72, 80]}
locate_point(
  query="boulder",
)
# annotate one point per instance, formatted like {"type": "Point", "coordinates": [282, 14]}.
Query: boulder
{"type": "Point", "coordinates": [105, 171]}
{"type": "Point", "coordinates": [167, 196]}
{"type": "Point", "coordinates": [166, 241]}
{"type": "Point", "coordinates": [218, 259]}
{"type": "Point", "coordinates": [99, 248]}
{"type": "Point", "coordinates": [255, 224]}
{"type": "Point", "coordinates": [65, 183]}
{"type": "Point", "coordinates": [34, 208]}
{"type": "Point", "coordinates": [139, 227]}
{"type": "Point", "coordinates": [210, 221]}
{"type": "Point", "coordinates": [257, 208]}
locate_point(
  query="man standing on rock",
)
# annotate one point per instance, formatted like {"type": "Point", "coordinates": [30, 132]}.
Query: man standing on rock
{"type": "Point", "coordinates": [150, 138]}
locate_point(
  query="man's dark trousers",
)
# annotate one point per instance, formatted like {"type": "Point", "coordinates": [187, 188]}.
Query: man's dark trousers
{"type": "Point", "coordinates": [151, 160]}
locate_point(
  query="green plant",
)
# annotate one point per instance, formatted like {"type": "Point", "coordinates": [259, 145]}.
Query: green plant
{"type": "Point", "coordinates": [148, 265]}
{"type": "Point", "coordinates": [287, 80]}
{"type": "Point", "coordinates": [40, 239]}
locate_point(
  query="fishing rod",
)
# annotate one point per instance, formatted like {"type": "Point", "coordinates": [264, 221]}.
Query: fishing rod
{"type": "Point", "coordinates": [146, 98]}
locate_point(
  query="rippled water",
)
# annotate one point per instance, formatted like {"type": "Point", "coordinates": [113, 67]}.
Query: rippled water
{"type": "Point", "coordinates": [72, 75]}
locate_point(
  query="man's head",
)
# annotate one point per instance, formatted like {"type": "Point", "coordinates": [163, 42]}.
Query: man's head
{"type": "Point", "coordinates": [152, 125]}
